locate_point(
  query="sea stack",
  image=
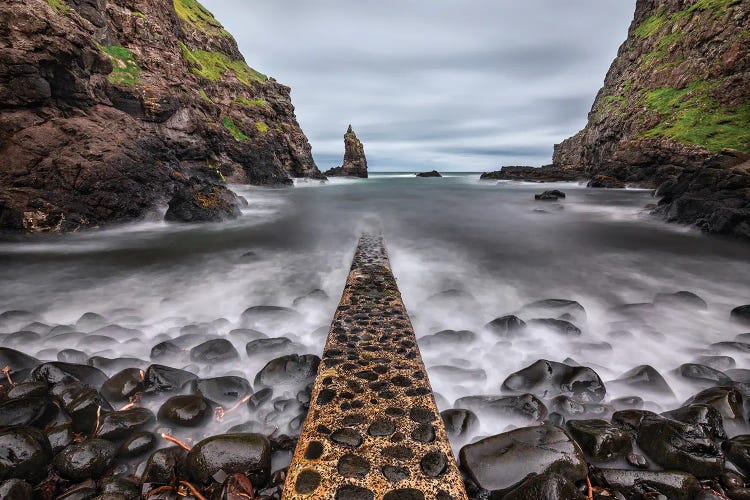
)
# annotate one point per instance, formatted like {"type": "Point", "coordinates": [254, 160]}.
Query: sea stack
{"type": "Point", "coordinates": [355, 162]}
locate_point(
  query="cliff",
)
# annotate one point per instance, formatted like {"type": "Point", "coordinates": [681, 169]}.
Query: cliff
{"type": "Point", "coordinates": [355, 161]}
{"type": "Point", "coordinates": [109, 109]}
{"type": "Point", "coordinates": [674, 113]}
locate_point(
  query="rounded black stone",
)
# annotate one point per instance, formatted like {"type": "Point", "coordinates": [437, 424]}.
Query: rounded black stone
{"type": "Point", "coordinates": [394, 474]}
{"type": "Point", "coordinates": [307, 482]}
{"type": "Point", "coordinates": [353, 420]}
{"type": "Point", "coordinates": [367, 375]}
{"type": "Point", "coordinates": [382, 427]}
{"type": "Point", "coordinates": [394, 412]}
{"type": "Point", "coordinates": [314, 450]}
{"type": "Point", "coordinates": [387, 394]}
{"type": "Point", "coordinates": [417, 391]}
{"type": "Point", "coordinates": [404, 494]}
{"type": "Point", "coordinates": [424, 433]}
{"type": "Point", "coordinates": [422, 415]}
{"type": "Point", "coordinates": [326, 396]}
{"type": "Point", "coordinates": [347, 437]}
{"type": "Point", "coordinates": [434, 463]}
{"type": "Point", "coordinates": [398, 452]}
{"type": "Point", "coordinates": [401, 381]}
{"type": "Point", "coordinates": [351, 492]}
{"type": "Point", "coordinates": [353, 466]}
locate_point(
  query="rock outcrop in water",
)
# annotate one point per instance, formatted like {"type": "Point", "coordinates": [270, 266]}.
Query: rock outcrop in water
{"type": "Point", "coordinates": [355, 162]}
{"type": "Point", "coordinates": [547, 173]}
{"type": "Point", "coordinates": [110, 107]}
{"type": "Point", "coordinates": [674, 113]}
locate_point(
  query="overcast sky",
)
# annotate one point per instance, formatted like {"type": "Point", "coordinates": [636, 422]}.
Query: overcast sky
{"type": "Point", "coordinates": [444, 84]}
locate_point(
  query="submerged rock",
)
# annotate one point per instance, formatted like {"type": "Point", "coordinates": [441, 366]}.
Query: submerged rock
{"type": "Point", "coordinates": [552, 195]}
{"type": "Point", "coordinates": [214, 351]}
{"type": "Point", "coordinates": [460, 424]}
{"type": "Point", "coordinates": [185, 411]}
{"type": "Point", "coordinates": [249, 454]}
{"type": "Point", "coordinates": [681, 299]}
{"type": "Point", "coordinates": [559, 326]}
{"type": "Point", "coordinates": [644, 380]}
{"type": "Point", "coordinates": [221, 390]}
{"type": "Point", "coordinates": [500, 463]}
{"type": "Point", "coordinates": [288, 371]}
{"type": "Point", "coordinates": [741, 314]}
{"type": "Point", "coordinates": [548, 379]}
{"type": "Point", "coordinates": [159, 378]}
{"type": "Point", "coordinates": [525, 408]}
{"type": "Point", "coordinates": [137, 444]}
{"type": "Point", "coordinates": [506, 326]}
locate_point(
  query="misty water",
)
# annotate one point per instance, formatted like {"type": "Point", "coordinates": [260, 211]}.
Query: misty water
{"type": "Point", "coordinates": [489, 245]}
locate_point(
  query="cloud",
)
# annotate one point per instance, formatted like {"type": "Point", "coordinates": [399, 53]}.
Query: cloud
{"type": "Point", "coordinates": [449, 84]}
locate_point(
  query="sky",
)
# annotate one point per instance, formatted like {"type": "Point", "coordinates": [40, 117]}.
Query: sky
{"type": "Point", "coordinates": [451, 85]}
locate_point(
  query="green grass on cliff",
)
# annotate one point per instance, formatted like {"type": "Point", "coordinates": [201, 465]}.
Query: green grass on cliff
{"type": "Point", "coordinates": [651, 25]}
{"type": "Point", "coordinates": [125, 69]}
{"type": "Point", "coordinates": [251, 103]}
{"type": "Point", "coordinates": [234, 129]}
{"type": "Point", "coordinates": [58, 6]}
{"type": "Point", "coordinates": [197, 16]}
{"type": "Point", "coordinates": [262, 127]}
{"type": "Point", "coordinates": [212, 65]}
{"type": "Point", "coordinates": [718, 7]}
{"type": "Point", "coordinates": [692, 117]}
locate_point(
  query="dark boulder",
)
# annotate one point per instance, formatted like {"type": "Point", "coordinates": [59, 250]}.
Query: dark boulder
{"type": "Point", "coordinates": [600, 440]}
{"type": "Point", "coordinates": [60, 436]}
{"type": "Point", "coordinates": [498, 464]}
{"type": "Point", "coordinates": [25, 453]}
{"type": "Point", "coordinates": [84, 404]}
{"type": "Point", "coordinates": [122, 385]}
{"type": "Point", "coordinates": [137, 444]}
{"type": "Point", "coordinates": [525, 408]}
{"type": "Point", "coordinates": [166, 350]}
{"type": "Point", "coordinates": [704, 416]}
{"type": "Point", "coordinates": [55, 372]}
{"type": "Point", "coordinates": [555, 308]}
{"type": "Point", "coordinates": [600, 181]}
{"type": "Point", "coordinates": [741, 314]}
{"type": "Point", "coordinates": [548, 486]}
{"type": "Point", "coordinates": [28, 389]}
{"type": "Point", "coordinates": [701, 375]}
{"type": "Point", "coordinates": [16, 489]}
{"type": "Point", "coordinates": [727, 400]}
{"type": "Point", "coordinates": [448, 338]}
{"type": "Point", "coordinates": [23, 411]}
{"type": "Point", "coordinates": [292, 371]}
{"type": "Point", "coordinates": [551, 195]}
{"type": "Point", "coordinates": [196, 201]}
{"type": "Point", "coordinates": [185, 411]}
{"type": "Point", "coordinates": [90, 321]}
{"type": "Point", "coordinates": [722, 363]}
{"type": "Point", "coordinates": [164, 465]}
{"type": "Point", "coordinates": [270, 347]}
{"type": "Point", "coordinates": [221, 390]}
{"type": "Point", "coordinates": [680, 299]}
{"type": "Point", "coordinates": [121, 424]}
{"type": "Point", "coordinates": [636, 483]}
{"type": "Point", "coordinates": [214, 351]}
{"type": "Point", "coordinates": [432, 173]}
{"type": "Point", "coordinates": [644, 380]}
{"type": "Point", "coordinates": [737, 451]}
{"type": "Point", "coordinates": [249, 454]}
{"type": "Point", "coordinates": [260, 317]}
{"type": "Point", "coordinates": [559, 326]}
{"type": "Point", "coordinates": [85, 460]}
{"type": "Point", "coordinates": [548, 379]}
{"type": "Point", "coordinates": [507, 326]}
{"type": "Point", "coordinates": [314, 297]}
{"type": "Point", "coordinates": [159, 378]}
{"type": "Point", "coordinates": [460, 424]}
{"type": "Point", "coordinates": [73, 356]}
{"type": "Point", "coordinates": [679, 446]}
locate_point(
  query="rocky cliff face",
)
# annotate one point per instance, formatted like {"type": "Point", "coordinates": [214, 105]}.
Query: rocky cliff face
{"type": "Point", "coordinates": [355, 162]}
{"type": "Point", "coordinates": [111, 108]}
{"type": "Point", "coordinates": [675, 109]}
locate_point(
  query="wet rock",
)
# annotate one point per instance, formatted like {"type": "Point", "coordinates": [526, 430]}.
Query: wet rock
{"type": "Point", "coordinates": [60, 436]}
{"type": "Point", "coordinates": [460, 424]}
{"type": "Point", "coordinates": [195, 201]}
{"type": "Point", "coordinates": [548, 379]}
{"type": "Point", "coordinates": [525, 408]}
{"type": "Point", "coordinates": [121, 386]}
{"type": "Point", "coordinates": [288, 371]}
{"type": "Point", "coordinates": [163, 465]}
{"type": "Point", "coordinates": [635, 483]}
{"type": "Point", "coordinates": [627, 403]}
{"type": "Point", "coordinates": [248, 454]}
{"type": "Point", "coordinates": [159, 378]}
{"type": "Point", "coordinates": [55, 372]}
{"type": "Point", "coordinates": [90, 321]}
{"type": "Point", "coordinates": [555, 308]}
{"type": "Point", "coordinates": [706, 417]}
{"type": "Point", "coordinates": [551, 195]}
{"type": "Point", "coordinates": [81, 491]}
{"type": "Point", "coordinates": [270, 347]}
{"type": "Point", "coordinates": [448, 338]}
{"type": "Point", "coordinates": [119, 488]}
{"type": "Point", "coordinates": [22, 338]}
{"type": "Point", "coordinates": [214, 351]}
{"type": "Point", "coordinates": [16, 489]}
{"type": "Point", "coordinates": [23, 411]}
{"type": "Point", "coordinates": [548, 486]}
{"type": "Point", "coordinates": [680, 299]}
{"type": "Point", "coordinates": [569, 407]}
{"type": "Point", "coordinates": [432, 173]}
{"type": "Point", "coordinates": [630, 420]}
{"type": "Point", "coordinates": [121, 424]}
{"type": "Point", "coordinates": [678, 446]}
{"type": "Point", "coordinates": [507, 326]}
{"type": "Point", "coordinates": [501, 463]}
{"type": "Point", "coordinates": [16, 360]}
{"type": "Point", "coordinates": [185, 411]}
{"type": "Point", "coordinates": [245, 335]}
{"type": "Point", "coordinates": [28, 389]}
{"type": "Point", "coordinates": [642, 380]}
{"type": "Point", "coordinates": [316, 296]}
{"type": "Point", "coordinates": [25, 453]}
{"type": "Point", "coordinates": [739, 347]}
{"type": "Point", "coordinates": [14, 318]}
{"type": "Point", "coordinates": [260, 317]}
{"type": "Point", "coordinates": [166, 350]}
{"type": "Point", "coordinates": [558, 326]}
{"type": "Point", "coordinates": [136, 445]}
{"type": "Point", "coordinates": [702, 375]}
{"type": "Point", "coordinates": [600, 440]}
{"type": "Point", "coordinates": [221, 390]}
{"type": "Point", "coordinates": [111, 366]}
{"type": "Point", "coordinates": [741, 314]}
{"type": "Point", "coordinates": [727, 400]}
{"type": "Point", "coordinates": [721, 363]}
{"type": "Point", "coordinates": [82, 405]}
{"type": "Point", "coordinates": [237, 487]}
{"type": "Point", "coordinates": [73, 356]}
{"type": "Point", "coordinates": [84, 460]}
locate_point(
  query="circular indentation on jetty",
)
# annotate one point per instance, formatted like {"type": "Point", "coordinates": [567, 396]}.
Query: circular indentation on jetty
{"type": "Point", "coordinates": [380, 369]}
{"type": "Point", "coordinates": [347, 437]}
{"type": "Point", "coordinates": [351, 492]}
{"type": "Point", "coordinates": [422, 415]}
{"type": "Point", "coordinates": [323, 429]}
{"type": "Point", "coordinates": [443, 495]}
{"type": "Point", "coordinates": [325, 396]}
{"type": "Point", "coordinates": [353, 466]}
{"type": "Point", "coordinates": [387, 394]}
{"type": "Point", "coordinates": [367, 375]}
{"type": "Point", "coordinates": [398, 452]}
{"type": "Point", "coordinates": [378, 386]}
{"type": "Point", "coordinates": [307, 482]}
{"type": "Point", "coordinates": [424, 433]}
{"type": "Point", "coordinates": [314, 450]}
{"type": "Point", "coordinates": [401, 381]}
{"type": "Point", "coordinates": [394, 474]}
{"type": "Point", "coordinates": [394, 412]}
{"type": "Point", "coordinates": [382, 427]}
{"type": "Point", "coordinates": [434, 463]}
{"type": "Point", "coordinates": [353, 420]}
{"type": "Point", "coordinates": [417, 391]}
{"type": "Point", "coordinates": [404, 494]}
